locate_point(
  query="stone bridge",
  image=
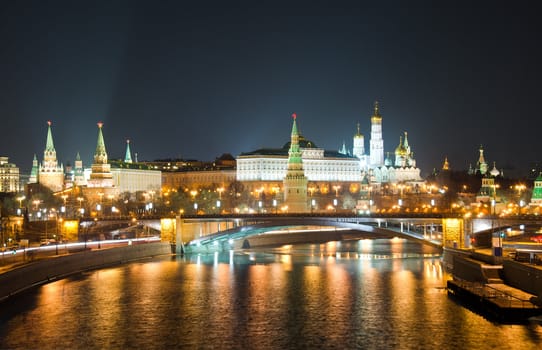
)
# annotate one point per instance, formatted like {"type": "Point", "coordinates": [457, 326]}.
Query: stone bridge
{"type": "Point", "coordinates": [218, 232]}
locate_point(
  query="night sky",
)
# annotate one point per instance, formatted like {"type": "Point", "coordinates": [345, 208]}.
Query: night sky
{"type": "Point", "coordinates": [197, 79]}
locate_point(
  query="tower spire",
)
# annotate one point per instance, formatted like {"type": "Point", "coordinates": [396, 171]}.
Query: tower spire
{"type": "Point", "coordinates": [100, 156]}
{"type": "Point", "coordinates": [49, 145]}
{"type": "Point", "coordinates": [376, 109]}
{"type": "Point", "coordinates": [100, 175]}
{"type": "Point", "coordinates": [128, 156]}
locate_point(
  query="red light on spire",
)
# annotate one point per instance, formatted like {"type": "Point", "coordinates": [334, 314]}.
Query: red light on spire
{"type": "Point", "coordinates": [100, 124]}
{"type": "Point", "coordinates": [49, 123]}
{"type": "Point", "coordinates": [294, 116]}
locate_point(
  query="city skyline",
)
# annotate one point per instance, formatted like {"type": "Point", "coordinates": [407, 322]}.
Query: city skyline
{"type": "Point", "coordinates": [183, 81]}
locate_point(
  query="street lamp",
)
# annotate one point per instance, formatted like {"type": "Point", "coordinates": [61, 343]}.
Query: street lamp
{"type": "Point", "coordinates": [20, 199]}
{"type": "Point", "coordinates": [220, 190]}
{"type": "Point", "coordinates": [336, 188]}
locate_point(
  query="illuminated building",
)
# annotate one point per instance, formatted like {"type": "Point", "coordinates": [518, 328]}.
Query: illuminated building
{"type": "Point", "coordinates": [100, 179]}
{"type": "Point", "coordinates": [133, 177]}
{"type": "Point", "coordinates": [270, 164]}
{"type": "Point", "coordinates": [481, 165]}
{"type": "Point", "coordinates": [536, 198]}
{"type": "Point", "coordinates": [50, 173]}
{"type": "Point", "coordinates": [120, 176]}
{"type": "Point", "coordinates": [79, 172]}
{"type": "Point", "coordinates": [295, 181]}
{"type": "Point", "coordinates": [376, 144]}
{"type": "Point", "coordinates": [100, 175]}
{"type": "Point", "coordinates": [402, 170]}
{"type": "Point", "coordinates": [9, 176]}
{"type": "Point", "coordinates": [267, 166]}
{"type": "Point", "coordinates": [197, 178]}
{"type": "Point", "coordinates": [446, 165]}
{"type": "Point", "coordinates": [34, 171]}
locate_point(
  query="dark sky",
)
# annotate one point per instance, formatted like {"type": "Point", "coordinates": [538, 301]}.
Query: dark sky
{"type": "Point", "coordinates": [196, 79]}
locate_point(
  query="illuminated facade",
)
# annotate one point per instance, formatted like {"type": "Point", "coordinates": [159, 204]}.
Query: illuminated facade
{"type": "Point", "coordinates": [122, 176]}
{"type": "Point", "coordinates": [295, 181]}
{"type": "Point", "coordinates": [536, 198]}
{"type": "Point", "coordinates": [197, 179]}
{"type": "Point", "coordinates": [376, 144]}
{"type": "Point", "coordinates": [402, 170]}
{"type": "Point", "coordinates": [9, 176]}
{"type": "Point", "coordinates": [481, 165]}
{"type": "Point", "coordinates": [50, 173]}
{"type": "Point", "coordinates": [271, 164]}
{"type": "Point", "coordinates": [79, 172]}
{"type": "Point", "coordinates": [100, 175]}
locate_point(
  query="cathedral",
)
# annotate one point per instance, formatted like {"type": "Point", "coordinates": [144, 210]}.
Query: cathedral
{"type": "Point", "coordinates": [381, 170]}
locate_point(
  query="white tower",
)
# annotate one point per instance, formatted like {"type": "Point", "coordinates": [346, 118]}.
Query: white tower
{"type": "Point", "coordinates": [359, 145]}
{"type": "Point", "coordinates": [376, 143]}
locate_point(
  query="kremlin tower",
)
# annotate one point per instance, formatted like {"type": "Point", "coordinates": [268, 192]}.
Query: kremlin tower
{"type": "Point", "coordinates": [101, 175]}
{"type": "Point", "coordinates": [295, 181]}
{"type": "Point", "coordinates": [128, 155]}
{"type": "Point", "coordinates": [79, 172]}
{"type": "Point", "coordinates": [34, 171]}
{"type": "Point", "coordinates": [50, 174]}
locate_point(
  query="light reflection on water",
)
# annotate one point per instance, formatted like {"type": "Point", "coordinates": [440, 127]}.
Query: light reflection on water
{"type": "Point", "coordinates": [366, 294]}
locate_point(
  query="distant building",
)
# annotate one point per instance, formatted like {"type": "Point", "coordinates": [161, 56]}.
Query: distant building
{"type": "Point", "coordinates": [481, 164]}
{"type": "Point", "coordinates": [536, 198]}
{"type": "Point", "coordinates": [115, 177]}
{"type": "Point", "coordinates": [9, 176]}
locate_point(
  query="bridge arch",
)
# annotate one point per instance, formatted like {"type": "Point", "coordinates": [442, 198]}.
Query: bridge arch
{"type": "Point", "coordinates": [292, 230]}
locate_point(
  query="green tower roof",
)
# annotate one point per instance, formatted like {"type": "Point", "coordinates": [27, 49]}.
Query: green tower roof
{"type": "Point", "coordinates": [49, 145]}
{"type": "Point", "coordinates": [100, 156]}
{"type": "Point", "coordinates": [128, 156]}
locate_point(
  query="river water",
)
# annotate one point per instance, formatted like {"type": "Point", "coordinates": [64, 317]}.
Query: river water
{"type": "Point", "coordinates": [371, 294]}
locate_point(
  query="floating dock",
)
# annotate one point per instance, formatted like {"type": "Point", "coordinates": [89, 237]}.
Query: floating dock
{"type": "Point", "coordinates": [496, 300]}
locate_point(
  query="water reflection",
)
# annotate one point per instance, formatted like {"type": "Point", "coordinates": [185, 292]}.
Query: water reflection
{"type": "Point", "coordinates": [366, 294]}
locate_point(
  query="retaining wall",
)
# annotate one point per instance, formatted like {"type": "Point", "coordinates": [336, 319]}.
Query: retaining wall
{"type": "Point", "coordinates": [46, 270]}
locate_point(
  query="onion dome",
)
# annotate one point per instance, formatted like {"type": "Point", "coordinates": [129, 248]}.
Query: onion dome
{"type": "Point", "coordinates": [494, 172]}
{"type": "Point", "coordinates": [387, 161]}
{"type": "Point", "coordinates": [401, 150]}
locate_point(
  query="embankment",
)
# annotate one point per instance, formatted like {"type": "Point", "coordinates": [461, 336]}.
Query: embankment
{"type": "Point", "coordinates": [46, 270]}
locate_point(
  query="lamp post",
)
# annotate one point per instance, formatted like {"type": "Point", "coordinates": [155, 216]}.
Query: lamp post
{"type": "Point", "coordinates": [20, 199]}
{"type": "Point", "coordinates": [336, 188]}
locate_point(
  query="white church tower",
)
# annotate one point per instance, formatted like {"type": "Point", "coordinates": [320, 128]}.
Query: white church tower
{"type": "Point", "coordinates": [376, 143]}
{"type": "Point", "coordinates": [359, 147]}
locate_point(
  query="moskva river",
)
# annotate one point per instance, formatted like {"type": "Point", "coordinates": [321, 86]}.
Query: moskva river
{"type": "Point", "coordinates": [371, 294]}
